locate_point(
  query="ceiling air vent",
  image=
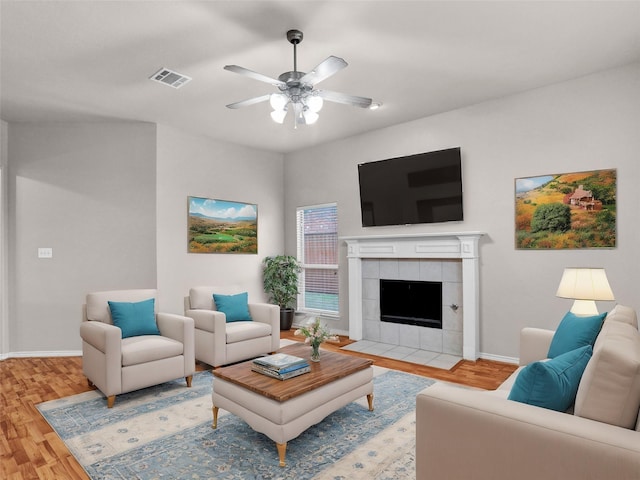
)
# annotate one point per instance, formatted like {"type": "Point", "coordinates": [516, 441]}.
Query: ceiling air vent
{"type": "Point", "coordinates": [169, 77]}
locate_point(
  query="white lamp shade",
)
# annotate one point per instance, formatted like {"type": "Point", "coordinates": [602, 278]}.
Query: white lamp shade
{"type": "Point", "coordinates": [314, 103]}
{"type": "Point", "coordinates": [310, 117]}
{"type": "Point", "coordinates": [585, 284]}
{"type": "Point", "coordinates": [278, 101]}
{"type": "Point", "coordinates": [278, 115]}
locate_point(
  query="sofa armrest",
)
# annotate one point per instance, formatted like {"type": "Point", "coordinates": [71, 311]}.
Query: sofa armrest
{"type": "Point", "coordinates": [208, 320]}
{"type": "Point", "coordinates": [463, 433]}
{"type": "Point", "coordinates": [534, 344]}
{"type": "Point", "coordinates": [102, 336]}
{"type": "Point", "coordinates": [269, 314]}
{"type": "Point", "coordinates": [181, 329]}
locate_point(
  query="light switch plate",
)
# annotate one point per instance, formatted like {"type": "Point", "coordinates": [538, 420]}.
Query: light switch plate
{"type": "Point", "coordinates": [45, 252]}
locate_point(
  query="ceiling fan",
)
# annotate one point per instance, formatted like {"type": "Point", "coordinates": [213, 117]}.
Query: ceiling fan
{"type": "Point", "coordinates": [296, 89]}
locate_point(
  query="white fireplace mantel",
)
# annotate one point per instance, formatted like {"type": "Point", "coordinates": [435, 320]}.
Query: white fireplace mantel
{"type": "Point", "coordinates": [451, 245]}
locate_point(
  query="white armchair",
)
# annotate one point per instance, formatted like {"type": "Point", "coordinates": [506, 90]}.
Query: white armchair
{"type": "Point", "coordinates": [118, 365]}
{"type": "Point", "coordinates": [218, 342]}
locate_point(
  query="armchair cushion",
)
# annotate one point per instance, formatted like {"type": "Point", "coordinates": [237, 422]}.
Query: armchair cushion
{"type": "Point", "coordinates": [552, 384]}
{"type": "Point", "coordinates": [242, 331]}
{"type": "Point", "coordinates": [235, 307]}
{"type": "Point", "coordinates": [575, 332]}
{"type": "Point", "coordinates": [134, 318]}
{"type": "Point", "coordinates": [144, 349]}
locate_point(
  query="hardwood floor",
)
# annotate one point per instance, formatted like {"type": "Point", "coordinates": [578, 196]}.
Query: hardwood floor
{"type": "Point", "coordinates": [30, 449]}
{"type": "Point", "coordinates": [484, 374]}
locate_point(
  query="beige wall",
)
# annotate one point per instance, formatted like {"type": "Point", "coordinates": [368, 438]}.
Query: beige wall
{"type": "Point", "coordinates": [4, 252]}
{"type": "Point", "coordinates": [110, 199]}
{"type": "Point", "coordinates": [88, 192]}
{"type": "Point", "coordinates": [191, 165]}
{"type": "Point", "coordinates": [588, 123]}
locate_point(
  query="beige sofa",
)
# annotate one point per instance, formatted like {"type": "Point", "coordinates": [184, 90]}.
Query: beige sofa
{"type": "Point", "coordinates": [471, 434]}
{"type": "Point", "coordinates": [220, 343]}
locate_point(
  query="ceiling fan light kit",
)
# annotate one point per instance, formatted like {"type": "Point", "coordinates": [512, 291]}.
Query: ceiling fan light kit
{"type": "Point", "coordinates": [296, 89]}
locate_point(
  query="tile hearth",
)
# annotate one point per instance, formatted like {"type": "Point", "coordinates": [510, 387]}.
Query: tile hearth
{"type": "Point", "coordinates": [406, 354]}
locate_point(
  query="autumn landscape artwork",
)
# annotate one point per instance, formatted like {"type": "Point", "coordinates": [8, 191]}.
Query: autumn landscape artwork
{"type": "Point", "coordinates": [569, 210]}
{"type": "Point", "coordinates": [221, 226]}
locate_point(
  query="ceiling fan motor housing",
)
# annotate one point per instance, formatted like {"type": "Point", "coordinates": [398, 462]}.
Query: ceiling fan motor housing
{"type": "Point", "coordinates": [294, 36]}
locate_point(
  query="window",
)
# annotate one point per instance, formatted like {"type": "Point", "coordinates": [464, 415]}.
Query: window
{"type": "Point", "coordinates": [317, 235]}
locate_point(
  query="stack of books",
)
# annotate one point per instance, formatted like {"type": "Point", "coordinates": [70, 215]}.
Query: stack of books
{"type": "Point", "coordinates": [281, 366]}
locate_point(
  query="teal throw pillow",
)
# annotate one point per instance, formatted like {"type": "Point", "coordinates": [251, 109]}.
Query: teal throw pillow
{"type": "Point", "coordinates": [552, 384]}
{"type": "Point", "coordinates": [135, 319]}
{"type": "Point", "coordinates": [235, 307]}
{"type": "Point", "coordinates": [574, 332]}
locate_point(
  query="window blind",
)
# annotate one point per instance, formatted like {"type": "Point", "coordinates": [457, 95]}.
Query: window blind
{"type": "Point", "coordinates": [317, 245]}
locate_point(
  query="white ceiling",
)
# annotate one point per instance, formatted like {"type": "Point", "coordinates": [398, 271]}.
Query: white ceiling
{"type": "Point", "coordinates": [90, 60]}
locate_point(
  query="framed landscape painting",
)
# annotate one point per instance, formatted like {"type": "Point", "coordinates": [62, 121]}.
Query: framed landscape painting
{"type": "Point", "coordinates": [567, 210]}
{"type": "Point", "coordinates": [221, 226]}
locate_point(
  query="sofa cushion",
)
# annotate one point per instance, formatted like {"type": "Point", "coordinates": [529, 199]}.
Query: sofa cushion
{"type": "Point", "coordinates": [134, 318]}
{"type": "Point", "coordinates": [552, 384]}
{"type": "Point", "coordinates": [622, 313]}
{"type": "Point", "coordinates": [235, 307]}
{"type": "Point", "coordinates": [575, 332]}
{"type": "Point", "coordinates": [609, 391]}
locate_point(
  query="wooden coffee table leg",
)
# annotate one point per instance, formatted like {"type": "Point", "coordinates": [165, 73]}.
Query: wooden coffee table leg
{"type": "Point", "coordinates": [215, 417]}
{"type": "Point", "coordinates": [370, 400]}
{"type": "Point", "coordinates": [282, 450]}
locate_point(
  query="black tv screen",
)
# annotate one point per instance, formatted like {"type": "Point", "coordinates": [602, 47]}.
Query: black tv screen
{"type": "Point", "coordinates": [421, 188]}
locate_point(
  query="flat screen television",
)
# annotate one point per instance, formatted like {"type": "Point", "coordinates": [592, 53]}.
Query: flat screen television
{"type": "Point", "coordinates": [421, 188]}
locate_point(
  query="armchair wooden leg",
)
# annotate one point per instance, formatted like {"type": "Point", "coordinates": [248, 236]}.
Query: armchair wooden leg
{"type": "Point", "coordinates": [189, 379]}
{"type": "Point", "coordinates": [111, 401]}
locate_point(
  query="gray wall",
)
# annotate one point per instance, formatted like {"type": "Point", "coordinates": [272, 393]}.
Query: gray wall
{"type": "Point", "coordinates": [585, 124]}
{"type": "Point", "coordinates": [191, 165]}
{"type": "Point", "coordinates": [87, 191]}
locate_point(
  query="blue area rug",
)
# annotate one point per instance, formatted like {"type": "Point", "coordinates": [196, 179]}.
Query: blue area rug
{"type": "Point", "coordinates": [164, 432]}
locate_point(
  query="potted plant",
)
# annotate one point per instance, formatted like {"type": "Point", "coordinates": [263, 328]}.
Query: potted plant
{"type": "Point", "coordinates": [280, 278]}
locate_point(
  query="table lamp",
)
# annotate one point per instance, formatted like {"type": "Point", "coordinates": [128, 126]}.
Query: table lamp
{"type": "Point", "coordinates": [584, 285]}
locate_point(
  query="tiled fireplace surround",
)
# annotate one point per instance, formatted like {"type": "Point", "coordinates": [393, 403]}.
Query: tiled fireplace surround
{"type": "Point", "coordinates": [451, 258]}
{"type": "Point", "coordinates": [448, 339]}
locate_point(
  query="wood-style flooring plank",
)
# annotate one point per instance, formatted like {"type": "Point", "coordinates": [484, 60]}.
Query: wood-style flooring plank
{"type": "Point", "coordinates": [30, 449]}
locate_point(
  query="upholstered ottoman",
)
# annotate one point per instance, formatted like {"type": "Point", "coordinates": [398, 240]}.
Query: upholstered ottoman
{"type": "Point", "coordinates": [283, 409]}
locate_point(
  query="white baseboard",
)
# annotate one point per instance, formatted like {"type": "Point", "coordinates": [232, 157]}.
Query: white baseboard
{"type": "Point", "coordinates": [499, 358]}
{"type": "Point", "coordinates": [58, 353]}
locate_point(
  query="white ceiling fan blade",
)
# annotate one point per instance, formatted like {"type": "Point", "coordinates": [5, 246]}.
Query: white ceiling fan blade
{"type": "Point", "coordinates": [249, 101]}
{"type": "Point", "coordinates": [337, 97]}
{"type": "Point", "coordinates": [324, 69]}
{"type": "Point", "coordinates": [255, 75]}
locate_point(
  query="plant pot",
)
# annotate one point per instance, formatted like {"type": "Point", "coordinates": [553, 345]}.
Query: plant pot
{"type": "Point", "coordinates": [286, 318]}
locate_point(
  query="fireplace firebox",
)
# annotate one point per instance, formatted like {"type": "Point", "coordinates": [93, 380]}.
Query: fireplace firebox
{"type": "Point", "coordinates": [411, 302]}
